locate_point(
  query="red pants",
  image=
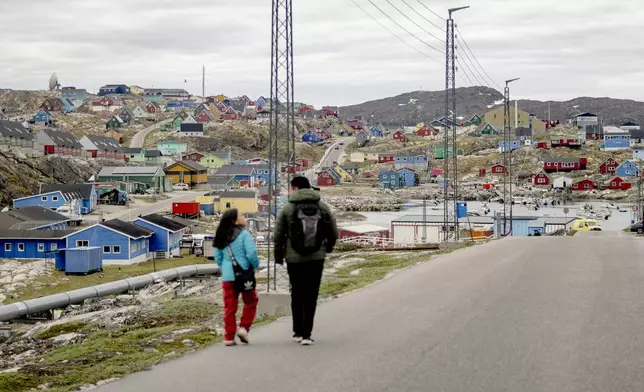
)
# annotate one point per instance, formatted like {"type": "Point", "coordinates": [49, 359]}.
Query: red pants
{"type": "Point", "coordinates": [231, 300]}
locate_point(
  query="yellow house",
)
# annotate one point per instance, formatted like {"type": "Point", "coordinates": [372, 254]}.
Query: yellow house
{"type": "Point", "coordinates": [221, 97]}
{"type": "Point", "coordinates": [187, 172]}
{"type": "Point", "coordinates": [344, 175]}
{"type": "Point", "coordinates": [136, 90]}
{"type": "Point", "coordinates": [244, 201]}
{"type": "Point", "coordinates": [357, 156]}
{"type": "Point", "coordinates": [496, 117]}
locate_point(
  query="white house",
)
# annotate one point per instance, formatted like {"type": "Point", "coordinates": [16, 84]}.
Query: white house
{"type": "Point", "coordinates": [562, 182]}
{"type": "Point", "coordinates": [630, 126]}
{"type": "Point", "coordinates": [139, 113]}
{"type": "Point", "coordinates": [638, 153]}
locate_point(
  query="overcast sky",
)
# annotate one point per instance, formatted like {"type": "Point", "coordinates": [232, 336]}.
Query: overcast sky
{"type": "Point", "coordinates": [559, 49]}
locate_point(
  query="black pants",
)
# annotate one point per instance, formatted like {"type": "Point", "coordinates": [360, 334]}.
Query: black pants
{"type": "Point", "coordinates": [305, 281]}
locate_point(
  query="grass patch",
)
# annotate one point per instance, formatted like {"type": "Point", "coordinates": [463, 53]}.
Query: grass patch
{"type": "Point", "coordinates": [61, 329]}
{"type": "Point", "coordinates": [63, 283]}
{"type": "Point", "coordinates": [182, 311]}
{"type": "Point", "coordinates": [376, 268]}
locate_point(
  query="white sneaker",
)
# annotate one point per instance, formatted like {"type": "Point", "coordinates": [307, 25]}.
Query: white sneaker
{"type": "Point", "coordinates": [242, 334]}
{"type": "Point", "coordinates": [297, 339]}
{"type": "Point", "coordinates": [230, 343]}
{"type": "Point", "coordinates": [308, 342]}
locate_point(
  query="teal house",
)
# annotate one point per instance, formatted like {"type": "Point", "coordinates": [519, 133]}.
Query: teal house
{"type": "Point", "coordinates": [171, 147]}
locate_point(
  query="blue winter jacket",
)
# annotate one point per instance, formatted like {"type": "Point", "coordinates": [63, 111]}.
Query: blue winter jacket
{"type": "Point", "coordinates": [245, 253]}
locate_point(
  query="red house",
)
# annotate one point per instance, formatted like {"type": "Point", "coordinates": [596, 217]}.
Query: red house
{"type": "Point", "coordinates": [617, 184]}
{"type": "Point", "coordinates": [302, 162]}
{"type": "Point", "coordinates": [399, 136]}
{"type": "Point", "coordinates": [204, 117]}
{"type": "Point", "coordinates": [482, 172]}
{"type": "Point", "coordinates": [551, 165]}
{"type": "Point", "coordinates": [426, 130]}
{"type": "Point", "coordinates": [543, 145]}
{"type": "Point", "coordinates": [229, 115]}
{"type": "Point", "coordinates": [565, 141]}
{"type": "Point", "coordinates": [52, 105]}
{"type": "Point", "coordinates": [192, 156]}
{"type": "Point", "coordinates": [305, 110]}
{"type": "Point", "coordinates": [498, 169]}
{"type": "Point", "coordinates": [153, 108]}
{"type": "Point", "coordinates": [540, 179]}
{"type": "Point", "coordinates": [356, 125]}
{"type": "Point", "coordinates": [609, 166]}
{"type": "Point", "coordinates": [323, 133]}
{"type": "Point", "coordinates": [326, 179]}
{"type": "Point", "coordinates": [386, 158]}
{"type": "Point", "coordinates": [292, 168]}
{"type": "Point", "coordinates": [583, 185]}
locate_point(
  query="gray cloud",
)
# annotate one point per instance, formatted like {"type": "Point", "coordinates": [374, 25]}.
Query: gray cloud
{"type": "Point", "coordinates": [560, 49]}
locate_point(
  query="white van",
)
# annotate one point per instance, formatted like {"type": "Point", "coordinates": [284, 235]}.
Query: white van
{"type": "Point", "coordinates": [180, 187]}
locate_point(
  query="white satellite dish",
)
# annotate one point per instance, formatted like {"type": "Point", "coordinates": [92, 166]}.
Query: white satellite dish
{"type": "Point", "coordinates": [53, 82]}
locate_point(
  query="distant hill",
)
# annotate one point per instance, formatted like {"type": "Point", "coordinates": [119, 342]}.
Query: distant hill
{"type": "Point", "coordinates": [424, 106]}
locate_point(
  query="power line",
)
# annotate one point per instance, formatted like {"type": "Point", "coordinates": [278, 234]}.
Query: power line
{"type": "Point", "coordinates": [394, 34]}
{"type": "Point", "coordinates": [470, 70]}
{"type": "Point", "coordinates": [458, 61]}
{"type": "Point", "coordinates": [422, 16]}
{"type": "Point", "coordinates": [428, 9]}
{"type": "Point", "coordinates": [476, 60]}
{"type": "Point", "coordinates": [414, 22]}
{"type": "Point", "coordinates": [402, 27]}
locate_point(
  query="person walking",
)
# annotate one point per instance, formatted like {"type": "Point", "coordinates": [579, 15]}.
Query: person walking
{"type": "Point", "coordinates": [234, 244]}
{"type": "Point", "coordinates": [305, 232]}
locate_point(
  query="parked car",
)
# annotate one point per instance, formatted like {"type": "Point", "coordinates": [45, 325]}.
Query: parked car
{"type": "Point", "coordinates": [586, 225]}
{"type": "Point", "coordinates": [637, 228]}
{"type": "Point", "coordinates": [180, 187]}
{"type": "Point", "coordinates": [151, 191]}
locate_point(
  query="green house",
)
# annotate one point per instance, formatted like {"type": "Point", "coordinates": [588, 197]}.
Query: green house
{"type": "Point", "coordinates": [136, 177]}
{"type": "Point", "coordinates": [215, 161]}
{"type": "Point", "coordinates": [439, 152]}
{"type": "Point", "coordinates": [114, 122]}
{"type": "Point", "coordinates": [475, 120]}
{"type": "Point", "coordinates": [176, 123]}
{"type": "Point", "coordinates": [134, 154]}
{"type": "Point", "coordinates": [485, 129]}
{"type": "Point", "coordinates": [171, 147]}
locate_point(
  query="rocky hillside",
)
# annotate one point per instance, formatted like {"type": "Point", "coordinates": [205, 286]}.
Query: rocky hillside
{"type": "Point", "coordinates": [20, 176]}
{"type": "Point", "coordinates": [423, 106]}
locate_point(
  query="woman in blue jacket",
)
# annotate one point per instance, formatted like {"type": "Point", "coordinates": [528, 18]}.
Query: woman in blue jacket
{"type": "Point", "coordinates": [232, 233]}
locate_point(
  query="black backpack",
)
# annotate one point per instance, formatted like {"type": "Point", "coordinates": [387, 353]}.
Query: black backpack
{"type": "Point", "coordinates": [308, 228]}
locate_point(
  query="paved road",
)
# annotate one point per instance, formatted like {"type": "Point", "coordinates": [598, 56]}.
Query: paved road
{"type": "Point", "coordinates": [330, 155]}
{"type": "Point", "coordinates": [142, 208]}
{"type": "Point", "coordinates": [532, 315]}
{"type": "Point", "coordinates": [139, 137]}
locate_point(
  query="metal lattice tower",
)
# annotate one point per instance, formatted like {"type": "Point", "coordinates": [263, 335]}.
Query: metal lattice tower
{"type": "Point", "coordinates": [450, 170]}
{"type": "Point", "coordinates": [282, 120]}
{"type": "Point", "coordinates": [507, 162]}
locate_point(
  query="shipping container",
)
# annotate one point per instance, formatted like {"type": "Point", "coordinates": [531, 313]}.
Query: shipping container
{"type": "Point", "coordinates": [185, 208]}
{"type": "Point", "coordinates": [207, 208]}
{"type": "Point", "coordinates": [83, 260]}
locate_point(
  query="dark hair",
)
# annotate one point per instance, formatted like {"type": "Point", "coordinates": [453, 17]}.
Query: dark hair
{"type": "Point", "coordinates": [226, 228]}
{"type": "Point", "coordinates": [300, 182]}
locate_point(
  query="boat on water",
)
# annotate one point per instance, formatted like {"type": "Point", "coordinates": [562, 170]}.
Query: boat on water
{"type": "Point", "coordinates": [590, 212]}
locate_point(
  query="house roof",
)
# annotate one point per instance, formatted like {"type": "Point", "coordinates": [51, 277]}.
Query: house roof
{"type": "Point", "coordinates": [129, 171]}
{"type": "Point", "coordinates": [238, 105]}
{"type": "Point", "coordinates": [218, 180]}
{"type": "Point", "coordinates": [85, 190]}
{"type": "Point", "coordinates": [615, 130]}
{"type": "Point", "coordinates": [188, 127]}
{"type": "Point", "coordinates": [523, 131]}
{"type": "Point", "coordinates": [629, 124]}
{"type": "Point", "coordinates": [29, 218]}
{"type": "Point", "coordinates": [135, 150]}
{"type": "Point", "coordinates": [164, 222]}
{"type": "Point", "coordinates": [363, 229]}
{"type": "Point", "coordinates": [564, 159]}
{"type": "Point", "coordinates": [35, 234]}
{"type": "Point", "coordinates": [15, 129]}
{"type": "Point", "coordinates": [106, 143]}
{"type": "Point", "coordinates": [183, 221]}
{"type": "Point", "coordinates": [238, 194]}
{"type": "Point", "coordinates": [62, 139]}
{"type": "Point", "coordinates": [127, 228]}
{"type": "Point", "coordinates": [587, 114]}
{"type": "Point", "coordinates": [235, 170]}
{"type": "Point", "coordinates": [189, 164]}
{"type": "Point", "coordinates": [152, 153]}
{"type": "Point", "coordinates": [637, 134]}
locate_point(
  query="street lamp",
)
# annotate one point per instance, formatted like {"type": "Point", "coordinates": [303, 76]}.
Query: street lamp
{"type": "Point", "coordinates": [507, 158]}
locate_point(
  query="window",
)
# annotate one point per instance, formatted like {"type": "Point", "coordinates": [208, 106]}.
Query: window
{"type": "Point", "coordinates": [44, 198]}
{"type": "Point", "coordinates": [116, 249]}
{"type": "Point", "coordinates": [54, 198]}
{"type": "Point", "coordinates": [7, 247]}
{"type": "Point", "coordinates": [53, 246]}
{"type": "Point", "coordinates": [41, 247]}
{"type": "Point", "coordinates": [586, 186]}
{"type": "Point", "coordinates": [227, 205]}
{"type": "Point", "coordinates": [21, 247]}
{"type": "Point", "coordinates": [106, 249]}
{"type": "Point", "coordinates": [82, 244]}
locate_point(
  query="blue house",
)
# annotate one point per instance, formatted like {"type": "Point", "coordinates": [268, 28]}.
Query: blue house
{"type": "Point", "coordinates": [42, 116]}
{"type": "Point", "coordinates": [261, 102]}
{"type": "Point", "coordinates": [511, 145]}
{"type": "Point", "coordinates": [390, 179]}
{"type": "Point", "coordinates": [628, 169]}
{"type": "Point", "coordinates": [33, 218]}
{"type": "Point", "coordinates": [113, 89]}
{"type": "Point", "coordinates": [312, 137]}
{"type": "Point", "coordinates": [261, 174]}
{"type": "Point", "coordinates": [173, 105]}
{"type": "Point", "coordinates": [616, 139]}
{"type": "Point", "coordinates": [421, 161]}
{"type": "Point", "coordinates": [376, 132]}
{"type": "Point", "coordinates": [51, 200]}
{"type": "Point", "coordinates": [86, 193]}
{"type": "Point", "coordinates": [122, 242]}
{"type": "Point", "coordinates": [30, 244]}
{"type": "Point", "coordinates": [408, 177]}
{"type": "Point", "coordinates": [166, 240]}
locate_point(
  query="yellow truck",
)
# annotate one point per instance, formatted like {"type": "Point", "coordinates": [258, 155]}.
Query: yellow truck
{"type": "Point", "coordinates": [586, 225]}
